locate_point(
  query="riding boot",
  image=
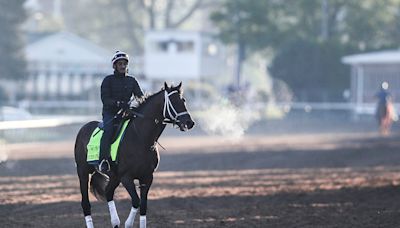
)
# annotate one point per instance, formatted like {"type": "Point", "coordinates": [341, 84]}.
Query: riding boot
{"type": "Point", "coordinates": [104, 157]}
{"type": "Point", "coordinates": [105, 143]}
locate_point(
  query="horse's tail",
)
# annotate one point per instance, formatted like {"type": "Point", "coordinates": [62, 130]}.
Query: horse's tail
{"type": "Point", "coordinates": [98, 185]}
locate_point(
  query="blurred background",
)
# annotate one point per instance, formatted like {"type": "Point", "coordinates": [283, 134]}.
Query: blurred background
{"type": "Point", "coordinates": [283, 92]}
{"type": "Point", "coordinates": [287, 62]}
{"type": "Point", "coordinates": [262, 60]}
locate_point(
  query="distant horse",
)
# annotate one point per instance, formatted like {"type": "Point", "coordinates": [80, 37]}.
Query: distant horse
{"type": "Point", "coordinates": [137, 154]}
{"type": "Point", "coordinates": [385, 115]}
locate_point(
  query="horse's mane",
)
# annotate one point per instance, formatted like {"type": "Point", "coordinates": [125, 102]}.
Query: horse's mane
{"type": "Point", "coordinates": [148, 96]}
{"type": "Point", "coordinates": [144, 98]}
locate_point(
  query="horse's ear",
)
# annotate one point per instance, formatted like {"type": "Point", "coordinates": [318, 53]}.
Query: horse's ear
{"type": "Point", "coordinates": [179, 86]}
{"type": "Point", "coordinates": [165, 85]}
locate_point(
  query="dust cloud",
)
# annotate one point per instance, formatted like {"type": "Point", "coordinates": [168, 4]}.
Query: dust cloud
{"type": "Point", "coordinates": [222, 118]}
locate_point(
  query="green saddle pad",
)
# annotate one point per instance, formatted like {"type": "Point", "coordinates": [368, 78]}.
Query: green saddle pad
{"type": "Point", "coordinates": [93, 146]}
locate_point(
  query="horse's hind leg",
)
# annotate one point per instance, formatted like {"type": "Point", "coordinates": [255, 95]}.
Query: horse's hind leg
{"type": "Point", "coordinates": [83, 175]}
{"type": "Point", "coordinates": [130, 187]}
{"type": "Point", "coordinates": [114, 182]}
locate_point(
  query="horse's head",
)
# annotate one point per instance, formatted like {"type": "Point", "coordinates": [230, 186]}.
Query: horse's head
{"type": "Point", "coordinates": [175, 108]}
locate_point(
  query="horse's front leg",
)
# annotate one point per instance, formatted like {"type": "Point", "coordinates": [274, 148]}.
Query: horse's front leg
{"type": "Point", "coordinates": [144, 191]}
{"type": "Point", "coordinates": [130, 187]}
{"type": "Point", "coordinates": [114, 182]}
{"type": "Point", "coordinates": [83, 175]}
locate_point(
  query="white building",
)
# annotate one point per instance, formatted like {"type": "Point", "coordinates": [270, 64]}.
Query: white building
{"type": "Point", "coordinates": [63, 65]}
{"type": "Point", "coordinates": [182, 56]}
{"type": "Point", "coordinates": [368, 71]}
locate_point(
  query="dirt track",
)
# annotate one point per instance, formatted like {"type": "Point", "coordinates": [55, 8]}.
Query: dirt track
{"type": "Point", "coordinates": [324, 180]}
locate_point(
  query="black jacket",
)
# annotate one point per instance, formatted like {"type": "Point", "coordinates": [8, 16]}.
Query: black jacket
{"type": "Point", "coordinates": [118, 87]}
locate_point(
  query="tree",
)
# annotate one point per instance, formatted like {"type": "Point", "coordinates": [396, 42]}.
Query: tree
{"type": "Point", "coordinates": [312, 69]}
{"type": "Point", "coordinates": [367, 24]}
{"type": "Point", "coordinates": [124, 22]}
{"type": "Point", "coordinates": [12, 61]}
{"type": "Point", "coordinates": [253, 22]}
{"type": "Point", "coordinates": [310, 61]}
{"type": "Point", "coordinates": [168, 13]}
{"type": "Point", "coordinates": [363, 24]}
{"type": "Point", "coordinates": [249, 24]}
{"type": "Point", "coordinates": [310, 37]}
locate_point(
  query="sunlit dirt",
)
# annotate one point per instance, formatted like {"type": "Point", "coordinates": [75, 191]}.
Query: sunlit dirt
{"type": "Point", "coordinates": [308, 181]}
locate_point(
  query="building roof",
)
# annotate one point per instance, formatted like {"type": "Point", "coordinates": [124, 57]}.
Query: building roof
{"type": "Point", "coordinates": [380, 57]}
{"type": "Point", "coordinates": [64, 47]}
{"type": "Point", "coordinates": [31, 37]}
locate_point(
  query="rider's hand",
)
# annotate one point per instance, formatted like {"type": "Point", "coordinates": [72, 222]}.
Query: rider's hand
{"type": "Point", "coordinates": [122, 105]}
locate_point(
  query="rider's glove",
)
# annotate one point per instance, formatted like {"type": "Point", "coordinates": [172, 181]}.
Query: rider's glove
{"type": "Point", "coordinates": [122, 105]}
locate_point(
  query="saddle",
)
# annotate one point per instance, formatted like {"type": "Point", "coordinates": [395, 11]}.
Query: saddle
{"type": "Point", "coordinates": [117, 126]}
{"type": "Point", "coordinates": [130, 113]}
{"type": "Point", "coordinates": [93, 146]}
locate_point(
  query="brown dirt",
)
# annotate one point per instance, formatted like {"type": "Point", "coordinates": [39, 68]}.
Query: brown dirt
{"type": "Point", "coordinates": [315, 180]}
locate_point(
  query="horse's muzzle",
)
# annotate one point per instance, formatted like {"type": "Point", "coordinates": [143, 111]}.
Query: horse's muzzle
{"type": "Point", "coordinates": [186, 125]}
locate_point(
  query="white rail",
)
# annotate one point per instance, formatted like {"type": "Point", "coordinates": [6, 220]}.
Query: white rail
{"type": "Point", "coordinates": [43, 123]}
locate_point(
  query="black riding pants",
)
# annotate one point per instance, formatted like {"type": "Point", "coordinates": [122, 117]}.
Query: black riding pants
{"type": "Point", "coordinates": [105, 143]}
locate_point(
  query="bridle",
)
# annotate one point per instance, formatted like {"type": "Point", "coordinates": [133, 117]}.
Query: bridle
{"type": "Point", "coordinates": [170, 110]}
{"type": "Point", "coordinates": [167, 109]}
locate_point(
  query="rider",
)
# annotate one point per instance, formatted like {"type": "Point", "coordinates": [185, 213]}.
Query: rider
{"type": "Point", "coordinates": [384, 98]}
{"type": "Point", "coordinates": [383, 95]}
{"type": "Point", "coordinates": [116, 91]}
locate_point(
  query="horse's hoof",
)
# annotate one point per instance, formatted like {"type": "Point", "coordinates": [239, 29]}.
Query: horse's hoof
{"type": "Point", "coordinates": [116, 226]}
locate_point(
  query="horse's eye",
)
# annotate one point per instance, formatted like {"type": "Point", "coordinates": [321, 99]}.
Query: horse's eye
{"type": "Point", "coordinates": [183, 99]}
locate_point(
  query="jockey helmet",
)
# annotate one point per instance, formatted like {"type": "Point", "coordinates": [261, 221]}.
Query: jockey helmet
{"type": "Point", "coordinates": [119, 55]}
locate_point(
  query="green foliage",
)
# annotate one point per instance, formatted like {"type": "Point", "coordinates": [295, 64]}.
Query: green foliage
{"type": "Point", "coordinates": [12, 62]}
{"type": "Point", "coordinates": [250, 21]}
{"type": "Point", "coordinates": [310, 37]}
{"type": "Point", "coordinates": [312, 69]}
{"type": "Point", "coordinates": [122, 24]}
{"type": "Point", "coordinates": [365, 24]}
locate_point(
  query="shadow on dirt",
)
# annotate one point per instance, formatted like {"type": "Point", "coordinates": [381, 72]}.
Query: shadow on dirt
{"type": "Point", "coordinates": [354, 207]}
{"type": "Point", "coordinates": [292, 206]}
{"type": "Point", "coordinates": [364, 152]}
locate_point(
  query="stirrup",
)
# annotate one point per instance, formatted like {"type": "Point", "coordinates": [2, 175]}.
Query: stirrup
{"type": "Point", "coordinates": [101, 166]}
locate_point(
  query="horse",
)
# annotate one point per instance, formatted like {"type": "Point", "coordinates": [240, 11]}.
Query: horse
{"type": "Point", "coordinates": [385, 115]}
{"type": "Point", "coordinates": [137, 154]}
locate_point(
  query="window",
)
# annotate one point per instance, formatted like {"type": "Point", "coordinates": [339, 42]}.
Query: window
{"type": "Point", "coordinates": [163, 46]}
{"type": "Point", "coordinates": [160, 46]}
{"type": "Point", "coordinates": [179, 46]}
{"type": "Point", "coordinates": [185, 46]}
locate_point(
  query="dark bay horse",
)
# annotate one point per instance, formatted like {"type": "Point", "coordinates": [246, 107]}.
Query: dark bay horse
{"type": "Point", "coordinates": [137, 154]}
